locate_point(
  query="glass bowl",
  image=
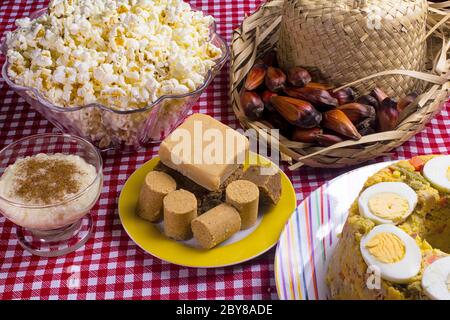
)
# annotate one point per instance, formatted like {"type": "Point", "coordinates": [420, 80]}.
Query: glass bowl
{"type": "Point", "coordinates": [107, 128]}
{"type": "Point", "coordinates": [59, 228]}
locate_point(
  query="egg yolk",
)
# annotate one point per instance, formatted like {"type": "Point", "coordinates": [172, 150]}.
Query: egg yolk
{"type": "Point", "coordinates": [389, 206]}
{"type": "Point", "coordinates": [448, 173]}
{"type": "Point", "coordinates": [386, 247]}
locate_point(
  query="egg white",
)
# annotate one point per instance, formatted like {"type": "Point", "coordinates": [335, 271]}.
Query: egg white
{"type": "Point", "coordinates": [399, 188]}
{"type": "Point", "coordinates": [398, 272]}
{"type": "Point", "coordinates": [434, 279]}
{"type": "Point", "coordinates": [435, 171]}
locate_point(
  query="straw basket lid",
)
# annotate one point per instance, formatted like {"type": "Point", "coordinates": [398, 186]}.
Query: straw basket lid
{"type": "Point", "coordinates": [349, 39]}
{"type": "Point", "coordinates": [427, 68]}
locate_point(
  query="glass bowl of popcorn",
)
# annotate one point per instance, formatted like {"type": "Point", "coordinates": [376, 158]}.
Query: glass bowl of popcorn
{"type": "Point", "coordinates": [120, 74]}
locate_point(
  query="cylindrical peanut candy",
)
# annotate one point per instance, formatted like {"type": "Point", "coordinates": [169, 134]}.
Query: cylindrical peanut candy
{"type": "Point", "coordinates": [180, 208]}
{"type": "Point", "coordinates": [216, 225]}
{"type": "Point", "coordinates": [156, 186]}
{"type": "Point", "coordinates": [244, 196]}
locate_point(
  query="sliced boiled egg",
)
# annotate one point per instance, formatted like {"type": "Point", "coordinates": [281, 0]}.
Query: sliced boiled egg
{"type": "Point", "coordinates": [393, 252]}
{"type": "Point", "coordinates": [387, 202]}
{"type": "Point", "coordinates": [436, 279]}
{"type": "Point", "coordinates": [437, 171]}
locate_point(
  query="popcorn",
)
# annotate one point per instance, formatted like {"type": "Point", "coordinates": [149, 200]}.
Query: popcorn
{"type": "Point", "coordinates": [124, 54]}
{"type": "Point", "coordinates": [59, 76]}
{"type": "Point", "coordinates": [23, 23]}
{"type": "Point", "coordinates": [40, 58]}
{"type": "Point", "coordinates": [105, 74]}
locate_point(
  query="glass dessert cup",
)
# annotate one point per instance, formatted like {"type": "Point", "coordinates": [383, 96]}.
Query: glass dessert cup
{"type": "Point", "coordinates": [109, 128]}
{"type": "Point", "coordinates": [61, 227]}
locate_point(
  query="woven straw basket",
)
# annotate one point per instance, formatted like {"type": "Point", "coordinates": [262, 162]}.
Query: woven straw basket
{"type": "Point", "coordinates": [400, 46]}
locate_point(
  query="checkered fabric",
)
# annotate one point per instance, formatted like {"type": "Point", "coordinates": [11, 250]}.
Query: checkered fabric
{"type": "Point", "coordinates": [110, 265]}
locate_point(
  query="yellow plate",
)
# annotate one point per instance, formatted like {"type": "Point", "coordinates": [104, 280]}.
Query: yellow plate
{"type": "Point", "coordinates": [147, 235]}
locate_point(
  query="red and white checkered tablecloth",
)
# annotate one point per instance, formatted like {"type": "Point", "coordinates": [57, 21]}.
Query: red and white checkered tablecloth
{"type": "Point", "coordinates": [110, 265]}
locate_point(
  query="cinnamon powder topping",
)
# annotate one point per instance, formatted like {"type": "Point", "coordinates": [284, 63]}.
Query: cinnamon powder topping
{"type": "Point", "coordinates": [46, 180]}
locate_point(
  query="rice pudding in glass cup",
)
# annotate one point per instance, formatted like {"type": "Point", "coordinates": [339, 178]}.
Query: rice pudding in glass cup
{"type": "Point", "coordinates": [48, 185]}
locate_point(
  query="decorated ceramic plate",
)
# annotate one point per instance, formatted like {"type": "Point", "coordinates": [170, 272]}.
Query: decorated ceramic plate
{"type": "Point", "coordinates": [310, 236]}
{"type": "Point", "coordinates": [243, 246]}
